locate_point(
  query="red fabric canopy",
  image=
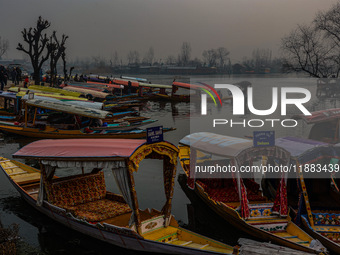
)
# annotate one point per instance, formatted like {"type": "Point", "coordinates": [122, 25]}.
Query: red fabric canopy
{"type": "Point", "coordinates": [80, 148]}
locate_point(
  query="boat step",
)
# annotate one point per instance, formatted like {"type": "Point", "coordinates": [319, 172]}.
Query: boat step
{"type": "Point", "coordinates": [10, 167]}
{"type": "Point", "coordinates": [21, 172]}
{"type": "Point", "coordinates": [204, 246]}
{"type": "Point", "coordinates": [33, 192]}
{"type": "Point", "coordinates": [197, 245]}
{"type": "Point", "coordinates": [187, 243]}
{"type": "Point", "coordinates": [173, 240]}
{"type": "Point", "coordinates": [180, 242]}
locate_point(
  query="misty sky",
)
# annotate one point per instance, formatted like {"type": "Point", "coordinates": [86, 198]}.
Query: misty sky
{"type": "Point", "coordinates": [98, 28]}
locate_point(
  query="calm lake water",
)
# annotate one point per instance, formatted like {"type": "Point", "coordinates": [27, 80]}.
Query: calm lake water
{"type": "Point", "coordinates": [41, 235]}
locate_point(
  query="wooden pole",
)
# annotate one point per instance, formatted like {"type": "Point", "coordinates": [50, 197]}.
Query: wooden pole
{"type": "Point", "coordinates": [35, 115]}
{"type": "Point", "coordinates": [25, 115]}
{"type": "Point", "coordinates": [305, 196]}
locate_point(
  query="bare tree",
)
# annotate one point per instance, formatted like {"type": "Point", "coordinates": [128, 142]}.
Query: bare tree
{"type": "Point", "coordinates": [149, 56]}
{"type": "Point", "coordinates": [306, 50]}
{"type": "Point", "coordinates": [185, 54]}
{"type": "Point", "coordinates": [222, 56]}
{"type": "Point", "coordinates": [133, 57]}
{"type": "Point", "coordinates": [115, 59]}
{"type": "Point", "coordinates": [57, 49]}
{"type": "Point", "coordinates": [4, 46]}
{"type": "Point", "coordinates": [170, 60]}
{"type": "Point", "coordinates": [315, 49]}
{"type": "Point", "coordinates": [37, 42]}
{"type": "Point", "coordinates": [209, 57]}
{"type": "Point", "coordinates": [329, 21]}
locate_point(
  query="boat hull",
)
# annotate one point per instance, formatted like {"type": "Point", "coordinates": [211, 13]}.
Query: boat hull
{"type": "Point", "coordinates": [66, 134]}
{"type": "Point", "coordinates": [132, 242]}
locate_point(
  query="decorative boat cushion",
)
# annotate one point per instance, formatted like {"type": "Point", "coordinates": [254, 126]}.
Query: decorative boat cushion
{"type": "Point", "coordinates": [78, 191]}
{"type": "Point", "coordinates": [100, 210]}
{"type": "Point", "coordinates": [224, 190]}
{"type": "Point", "coordinates": [326, 219]}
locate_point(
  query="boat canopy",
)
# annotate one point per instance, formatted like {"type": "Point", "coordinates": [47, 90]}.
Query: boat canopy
{"type": "Point", "coordinates": [53, 152]}
{"type": "Point", "coordinates": [239, 151]}
{"type": "Point", "coordinates": [106, 84]}
{"type": "Point", "coordinates": [231, 147]}
{"type": "Point", "coordinates": [23, 92]}
{"type": "Point", "coordinates": [306, 151]}
{"type": "Point", "coordinates": [85, 91]}
{"type": "Point", "coordinates": [126, 82]}
{"type": "Point", "coordinates": [87, 104]}
{"type": "Point", "coordinates": [121, 155]}
{"type": "Point", "coordinates": [80, 149]}
{"type": "Point", "coordinates": [8, 95]}
{"type": "Point", "coordinates": [54, 90]}
{"type": "Point", "coordinates": [69, 108]}
{"type": "Point", "coordinates": [320, 116]}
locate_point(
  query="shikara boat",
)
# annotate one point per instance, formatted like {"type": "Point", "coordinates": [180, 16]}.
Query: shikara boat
{"type": "Point", "coordinates": [125, 125]}
{"type": "Point", "coordinates": [10, 105]}
{"type": "Point", "coordinates": [325, 125]}
{"type": "Point", "coordinates": [237, 199]}
{"type": "Point", "coordinates": [82, 202]}
{"type": "Point", "coordinates": [316, 200]}
{"type": "Point", "coordinates": [70, 121]}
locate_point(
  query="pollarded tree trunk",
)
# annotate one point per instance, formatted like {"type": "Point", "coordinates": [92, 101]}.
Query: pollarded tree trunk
{"type": "Point", "coordinates": [37, 48]}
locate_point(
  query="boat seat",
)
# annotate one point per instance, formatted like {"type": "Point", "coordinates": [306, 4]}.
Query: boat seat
{"type": "Point", "coordinates": [326, 219]}
{"type": "Point", "coordinates": [86, 197]}
{"type": "Point", "coordinates": [98, 210]}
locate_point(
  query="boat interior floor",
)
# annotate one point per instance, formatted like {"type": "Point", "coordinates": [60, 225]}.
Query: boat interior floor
{"type": "Point", "coordinates": [123, 220]}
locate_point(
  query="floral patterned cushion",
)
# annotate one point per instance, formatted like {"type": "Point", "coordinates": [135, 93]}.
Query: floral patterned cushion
{"type": "Point", "coordinates": [81, 190]}
{"type": "Point", "coordinates": [99, 210]}
{"type": "Point", "coordinates": [326, 219]}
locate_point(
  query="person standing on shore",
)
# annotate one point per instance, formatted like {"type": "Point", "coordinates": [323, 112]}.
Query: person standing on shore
{"type": "Point", "coordinates": [14, 76]}
{"type": "Point", "coordinates": [18, 75]}
{"type": "Point", "coordinates": [2, 77]}
{"type": "Point", "coordinates": [26, 82]}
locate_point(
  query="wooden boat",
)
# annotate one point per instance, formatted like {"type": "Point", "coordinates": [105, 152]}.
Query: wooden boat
{"type": "Point", "coordinates": [315, 200]}
{"type": "Point", "coordinates": [82, 202]}
{"type": "Point", "coordinates": [125, 125]}
{"type": "Point", "coordinates": [10, 104]}
{"type": "Point", "coordinates": [325, 125]}
{"type": "Point", "coordinates": [69, 121]}
{"type": "Point", "coordinates": [236, 199]}
{"type": "Point", "coordinates": [196, 88]}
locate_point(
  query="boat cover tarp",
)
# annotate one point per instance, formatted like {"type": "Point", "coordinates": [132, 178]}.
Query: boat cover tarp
{"type": "Point", "coordinates": [69, 108]}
